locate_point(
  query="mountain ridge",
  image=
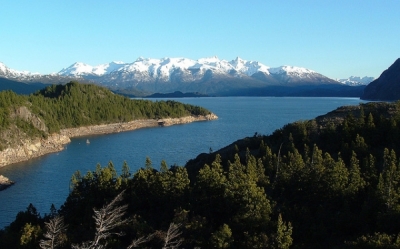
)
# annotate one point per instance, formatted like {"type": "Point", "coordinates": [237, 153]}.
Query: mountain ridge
{"type": "Point", "coordinates": [211, 76]}
{"type": "Point", "coordinates": [164, 68]}
{"type": "Point", "coordinates": [356, 80]}
{"type": "Point", "coordinates": [387, 86]}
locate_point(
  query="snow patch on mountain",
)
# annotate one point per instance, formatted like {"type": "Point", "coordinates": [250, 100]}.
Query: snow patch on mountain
{"type": "Point", "coordinates": [165, 67]}
{"type": "Point", "coordinates": [149, 72]}
{"type": "Point", "coordinates": [82, 69]}
{"type": "Point", "coordinates": [13, 74]}
{"type": "Point", "coordinates": [356, 81]}
{"type": "Point", "coordinates": [290, 70]}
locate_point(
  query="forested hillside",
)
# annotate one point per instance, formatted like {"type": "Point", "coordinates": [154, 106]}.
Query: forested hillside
{"type": "Point", "coordinates": [73, 105]}
{"type": "Point", "coordinates": [332, 182]}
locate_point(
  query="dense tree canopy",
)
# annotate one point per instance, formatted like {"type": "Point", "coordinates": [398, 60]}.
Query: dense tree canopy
{"type": "Point", "coordinates": [74, 105]}
{"type": "Point", "coordinates": [323, 183]}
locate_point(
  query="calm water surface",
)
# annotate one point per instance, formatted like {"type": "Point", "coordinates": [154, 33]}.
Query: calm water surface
{"type": "Point", "coordinates": [45, 180]}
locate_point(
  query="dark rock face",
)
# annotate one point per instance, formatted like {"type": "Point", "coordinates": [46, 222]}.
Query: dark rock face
{"type": "Point", "coordinates": [387, 86]}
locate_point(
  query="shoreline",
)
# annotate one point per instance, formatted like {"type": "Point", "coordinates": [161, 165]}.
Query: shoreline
{"type": "Point", "coordinates": [5, 182]}
{"type": "Point", "coordinates": [56, 142]}
{"type": "Point", "coordinates": [132, 125]}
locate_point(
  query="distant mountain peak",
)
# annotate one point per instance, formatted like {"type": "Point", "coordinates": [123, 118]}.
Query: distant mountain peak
{"type": "Point", "coordinates": [238, 59]}
{"type": "Point", "coordinates": [241, 66]}
{"type": "Point", "coordinates": [356, 80]}
{"type": "Point", "coordinates": [291, 70]}
{"type": "Point", "coordinates": [208, 75]}
{"type": "Point", "coordinates": [13, 74]}
{"type": "Point", "coordinates": [178, 69]}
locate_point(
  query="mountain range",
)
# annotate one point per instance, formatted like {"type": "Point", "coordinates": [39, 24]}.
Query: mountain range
{"type": "Point", "coordinates": [356, 81]}
{"type": "Point", "coordinates": [210, 76]}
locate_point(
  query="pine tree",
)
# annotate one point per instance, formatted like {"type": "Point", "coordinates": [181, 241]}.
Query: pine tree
{"type": "Point", "coordinates": [388, 180]}
{"type": "Point", "coordinates": [283, 239]}
{"type": "Point", "coordinates": [356, 182]}
{"type": "Point", "coordinates": [125, 171]}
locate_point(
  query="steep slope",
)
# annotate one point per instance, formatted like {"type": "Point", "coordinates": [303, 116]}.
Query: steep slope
{"type": "Point", "coordinates": [328, 176]}
{"type": "Point", "coordinates": [387, 86]}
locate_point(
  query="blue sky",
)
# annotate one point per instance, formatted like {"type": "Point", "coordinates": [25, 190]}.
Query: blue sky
{"type": "Point", "coordinates": [336, 38]}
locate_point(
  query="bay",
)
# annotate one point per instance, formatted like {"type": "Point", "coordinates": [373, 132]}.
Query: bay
{"type": "Point", "coordinates": [44, 181]}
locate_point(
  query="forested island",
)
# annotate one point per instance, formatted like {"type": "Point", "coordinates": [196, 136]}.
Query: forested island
{"type": "Point", "coordinates": [39, 123]}
{"type": "Point", "coordinates": [330, 182]}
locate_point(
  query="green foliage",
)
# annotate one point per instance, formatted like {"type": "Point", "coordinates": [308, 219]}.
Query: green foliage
{"type": "Point", "coordinates": [28, 128]}
{"type": "Point", "coordinates": [24, 232]}
{"type": "Point", "coordinates": [222, 238]}
{"type": "Point", "coordinates": [74, 105]}
{"type": "Point", "coordinates": [8, 101]}
{"type": "Point", "coordinates": [377, 240]}
{"type": "Point", "coordinates": [30, 235]}
{"type": "Point", "coordinates": [336, 184]}
{"type": "Point", "coordinates": [283, 239]}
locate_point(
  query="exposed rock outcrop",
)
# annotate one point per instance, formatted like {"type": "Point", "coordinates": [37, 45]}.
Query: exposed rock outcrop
{"type": "Point", "coordinates": [33, 148]}
{"type": "Point", "coordinates": [55, 142]}
{"type": "Point", "coordinates": [188, 119]}
{"type": "Point", "coordinates": [25, 114]}
{"type": "Point", "coordinates": [5, 182]}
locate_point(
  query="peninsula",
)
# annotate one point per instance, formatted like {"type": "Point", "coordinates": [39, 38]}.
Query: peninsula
{"type": "Point", "coordinates": [42, 123]}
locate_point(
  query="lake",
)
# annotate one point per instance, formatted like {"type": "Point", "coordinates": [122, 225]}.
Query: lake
{"type": "Point", "coordinates": [45, 180]}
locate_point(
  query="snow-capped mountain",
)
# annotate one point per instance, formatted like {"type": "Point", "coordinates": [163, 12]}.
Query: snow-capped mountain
{"type": "Point", "coordinates": [206, 75]}
{"type": "Point", "coordinates": [28, 77]}
{"type": "Point", "coordinates": [356, 81]}
{"type": "Point", "coordinates": [163, 69]}
{"type": "Point", "coordinates": [14, 74]}
{"type": "Point", "coordinates": [171, 74]}
{"type": "Point", "coordinates": [82, 69]}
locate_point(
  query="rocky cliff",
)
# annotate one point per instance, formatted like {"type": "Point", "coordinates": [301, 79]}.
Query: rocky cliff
{"type": "Point", "coordinates": [33, 148]}
{"type": "Point", "coordinates": [387, 86]}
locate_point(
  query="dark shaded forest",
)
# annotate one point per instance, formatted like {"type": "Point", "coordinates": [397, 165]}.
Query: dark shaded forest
{"type": "Point", "coordinates": [331, 182]}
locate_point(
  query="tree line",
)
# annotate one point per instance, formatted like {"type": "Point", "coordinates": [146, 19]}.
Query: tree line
{"type": "Point", "coordinates": [74, 105]}
{"type": "Point", "coordinates": [307, 185]}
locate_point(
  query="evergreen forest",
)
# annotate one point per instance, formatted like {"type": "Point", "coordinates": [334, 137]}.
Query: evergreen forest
{"type": "Point", "coordinates": [330, 182]}
{"type": "Point", "coordinates": [73, 105]}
